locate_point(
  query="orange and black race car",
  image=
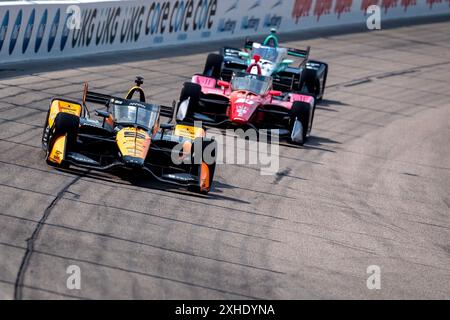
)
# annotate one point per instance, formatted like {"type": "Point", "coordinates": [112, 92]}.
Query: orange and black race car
{"type": "Point", "coordinates": [128, 135]}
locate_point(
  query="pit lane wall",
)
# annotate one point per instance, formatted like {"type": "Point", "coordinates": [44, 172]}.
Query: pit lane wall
{"type": "Point", "coordinates": [50, 29]}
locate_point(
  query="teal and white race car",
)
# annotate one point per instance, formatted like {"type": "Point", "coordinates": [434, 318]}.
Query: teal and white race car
{"type": "Point", "coordinates": [308, 76]}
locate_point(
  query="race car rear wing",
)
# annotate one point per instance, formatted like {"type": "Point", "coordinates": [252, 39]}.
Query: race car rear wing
{"type": "Point", "coordinates": [94, 97]}
{"type": "Point", "coordinates": [98, 98]}
{"type": "Point", "coordinates": [304, 54]}
{"type": "Point", "coordinates": [168, 112]}
{"type": "Point", "coordinates": [104, 99]}
{"type": "Point", "coordinates": [299, 53]}
{"type": "Point", "coordinates": [230, 51]}
{"type": "Point", "coordinates": [248, 44]}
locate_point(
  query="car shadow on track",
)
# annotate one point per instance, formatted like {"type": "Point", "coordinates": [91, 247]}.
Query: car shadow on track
{"type": "Point", "coordinates": [313, 143]}
{"type": "Point", "coordinates": [331, 103]}
{"type": "Point", "coordinates": [320, 144]}
{"type": "Point", "coordinates": [139, 180]}
{"type": "Point", "coordinates": [327, 105]}
{"type": "Point", "coordinates": [215, 194]}
{"type": "Point", "coordinates": [224, 186]}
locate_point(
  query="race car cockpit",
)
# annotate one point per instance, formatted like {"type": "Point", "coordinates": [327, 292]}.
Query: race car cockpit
{"type": "Point", "coordinates": [253, 83]}
{"type": "Point", "coordinates": [132, 113]}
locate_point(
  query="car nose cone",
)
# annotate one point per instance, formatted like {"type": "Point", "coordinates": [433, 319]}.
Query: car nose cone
{"type": "Point", "coordinates": [239, 121]}
{"type": "Point", "coordinates": [133, 162]}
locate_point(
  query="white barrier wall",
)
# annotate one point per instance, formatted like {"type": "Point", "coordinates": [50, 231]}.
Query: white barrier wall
{"type": "Point", "coordinates": [45, 29]}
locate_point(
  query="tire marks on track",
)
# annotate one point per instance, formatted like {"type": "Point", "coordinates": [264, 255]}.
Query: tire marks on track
{"type": "Point", "coordinates": [18, 285]}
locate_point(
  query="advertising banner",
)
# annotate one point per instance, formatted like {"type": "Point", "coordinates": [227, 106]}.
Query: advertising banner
{"type": "Point", "coordinates": [45, 29]}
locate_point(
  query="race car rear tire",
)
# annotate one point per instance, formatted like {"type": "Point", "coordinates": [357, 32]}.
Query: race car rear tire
{"type": "Point", "coordinates": [301, 111]}
{"type": "Point", "coordinates": [324, 85]}
{"type": "Point", "coordinates": [309, 82]}
{"type": "Point", "coordinates": [190, 91]}
{"type": "Point", "coordinates": [213, 66]}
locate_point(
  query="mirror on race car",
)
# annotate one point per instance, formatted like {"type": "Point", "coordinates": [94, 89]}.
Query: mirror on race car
{"type": "Point", "coordinates": [102, 113]}
{"type": "Point", "coordinates": [245, 55]}
{"type": "Point", "coordinates": [167, 126]}
{"type": "Point", "coordinates": [275, 93]}
{"type": "Point", "coordinates": [224, 84]}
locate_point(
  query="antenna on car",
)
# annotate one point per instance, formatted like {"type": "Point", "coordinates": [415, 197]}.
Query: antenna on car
{"type": "Point", "coordinates": [137, 88]}
{"type": "Point", "coordinates": [139, 81]}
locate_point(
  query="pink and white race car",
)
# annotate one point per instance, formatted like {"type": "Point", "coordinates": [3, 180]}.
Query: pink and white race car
{"type": "Point", "coordinates": [248, 101]}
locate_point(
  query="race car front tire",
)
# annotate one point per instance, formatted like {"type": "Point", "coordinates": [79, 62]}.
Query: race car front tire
{"type": "Point", "coordinates": [209, 148]}
{"type": "Point", "coordinates": [301, 112]}
{"type": "Point", "coordinates": [65, 124]}
{"type": "Point", "coordinates": [310, 83]}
